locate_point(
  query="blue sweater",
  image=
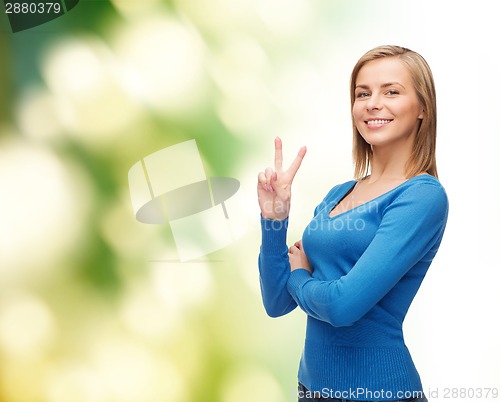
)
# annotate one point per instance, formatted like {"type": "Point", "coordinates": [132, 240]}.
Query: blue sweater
{"type": "Point", "coordinates": [368, 264]}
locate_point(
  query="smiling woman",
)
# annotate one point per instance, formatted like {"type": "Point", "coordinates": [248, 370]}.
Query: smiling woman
{"type": "Point", "coordinates": [356, 282]}
{"type": "Point", "coordinates": [386, 112]}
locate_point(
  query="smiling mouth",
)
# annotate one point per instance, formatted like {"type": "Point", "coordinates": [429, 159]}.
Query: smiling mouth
{"type": "Point", "coordinates": [377, 122]}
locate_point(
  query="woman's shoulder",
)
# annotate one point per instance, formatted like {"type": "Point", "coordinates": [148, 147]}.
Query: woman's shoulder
{"type": "Point", "coordinates": [425, 183]}
{"type": "Point", "coordinates": [425, 191]}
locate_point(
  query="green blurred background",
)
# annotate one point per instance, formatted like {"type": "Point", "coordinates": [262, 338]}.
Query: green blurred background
{"type": "Point", "coordinates": [93, 305]}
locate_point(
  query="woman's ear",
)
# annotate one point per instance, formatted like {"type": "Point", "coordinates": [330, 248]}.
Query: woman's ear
{"type": "Point", "coordinates": [422, 114]}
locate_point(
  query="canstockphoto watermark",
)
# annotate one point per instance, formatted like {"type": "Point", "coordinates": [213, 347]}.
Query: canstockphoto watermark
{"type": "Point", "coordinates": [28, 14]}
{"type": "Point", "coordinates": [452, 393]}
{"type": "Point", "coordinates": [469, 393]}
{"type": "Point", "coordinates": [346, 223]}
{"type": "Point", "coordinates": [360, 393]}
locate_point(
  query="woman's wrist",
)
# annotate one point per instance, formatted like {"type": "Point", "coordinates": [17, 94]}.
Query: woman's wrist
{"type": "Point", "coordinates": [270, 217]}
{"type": "Point", "coordinates": [274, 236]}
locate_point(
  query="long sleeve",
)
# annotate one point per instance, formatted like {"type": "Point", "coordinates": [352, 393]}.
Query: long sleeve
{"type": "Point", "coordinates": [410, 231]}
{"type": "Point", "coordinates": [274, 268]}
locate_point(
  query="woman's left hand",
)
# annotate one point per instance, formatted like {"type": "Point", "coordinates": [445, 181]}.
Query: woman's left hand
{"type": "Point", "coordinates": [298, 258]}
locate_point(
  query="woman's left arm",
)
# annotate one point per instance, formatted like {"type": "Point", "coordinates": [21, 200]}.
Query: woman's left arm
{"type": "Point", "coordinates": [412, 227]}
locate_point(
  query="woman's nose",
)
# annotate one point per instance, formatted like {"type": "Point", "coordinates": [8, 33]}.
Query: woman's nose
{"type": "Point", "coordinates": [374, 102]}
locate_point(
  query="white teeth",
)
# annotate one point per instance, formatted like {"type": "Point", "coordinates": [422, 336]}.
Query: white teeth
{"type": "Point", "coordinates": [374, 122]}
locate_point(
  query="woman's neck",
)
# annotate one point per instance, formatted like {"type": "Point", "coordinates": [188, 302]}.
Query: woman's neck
{"type": "Point", "coordinates": [389, 164]}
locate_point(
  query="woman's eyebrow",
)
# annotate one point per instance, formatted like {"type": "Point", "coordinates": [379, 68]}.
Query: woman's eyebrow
{"type": "Point", "coordinates": [390, 84]}
{"type": "Point", "coordinates": [387, 84]}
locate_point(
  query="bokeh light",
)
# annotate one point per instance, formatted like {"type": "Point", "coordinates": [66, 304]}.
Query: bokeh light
{"type": "Point", "coordinates": [163, 60]}
{"type": "Point", "coordinates": [39, 202]}
{"type": "Point", "coordinates": [27, 325]}
{"type": "Point", "coordinates": [84, 79]}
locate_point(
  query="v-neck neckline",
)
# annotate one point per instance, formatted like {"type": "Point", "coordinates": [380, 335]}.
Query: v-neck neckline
{"type": "Point", "coordinates": [337, 200]}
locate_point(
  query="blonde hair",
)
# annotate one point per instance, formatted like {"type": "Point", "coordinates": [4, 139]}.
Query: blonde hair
{"type": "Point", "coordinates": [423, 156]}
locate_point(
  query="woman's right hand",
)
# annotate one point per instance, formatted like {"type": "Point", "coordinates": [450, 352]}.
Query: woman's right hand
{"type": "Point", "coordinates": [274, 185]}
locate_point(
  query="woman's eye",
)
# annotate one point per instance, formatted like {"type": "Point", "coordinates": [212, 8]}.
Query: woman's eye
{"type": "Point", "coordinates": [392, 92]}
{"type": "Point", "coordinates": [362, 94]}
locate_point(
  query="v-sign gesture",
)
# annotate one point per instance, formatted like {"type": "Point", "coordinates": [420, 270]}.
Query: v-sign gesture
{"type": "Point", "coordinates": [275, 185]}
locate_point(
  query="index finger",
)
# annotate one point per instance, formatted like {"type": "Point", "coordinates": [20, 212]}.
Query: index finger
{"type": "Point", "coordinates": [297, 161]}
{"type": "Point", "coordinates": [278, 154]}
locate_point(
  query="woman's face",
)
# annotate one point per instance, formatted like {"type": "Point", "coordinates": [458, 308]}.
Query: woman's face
{"type": "Point", "coordinates": [386, 109]}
